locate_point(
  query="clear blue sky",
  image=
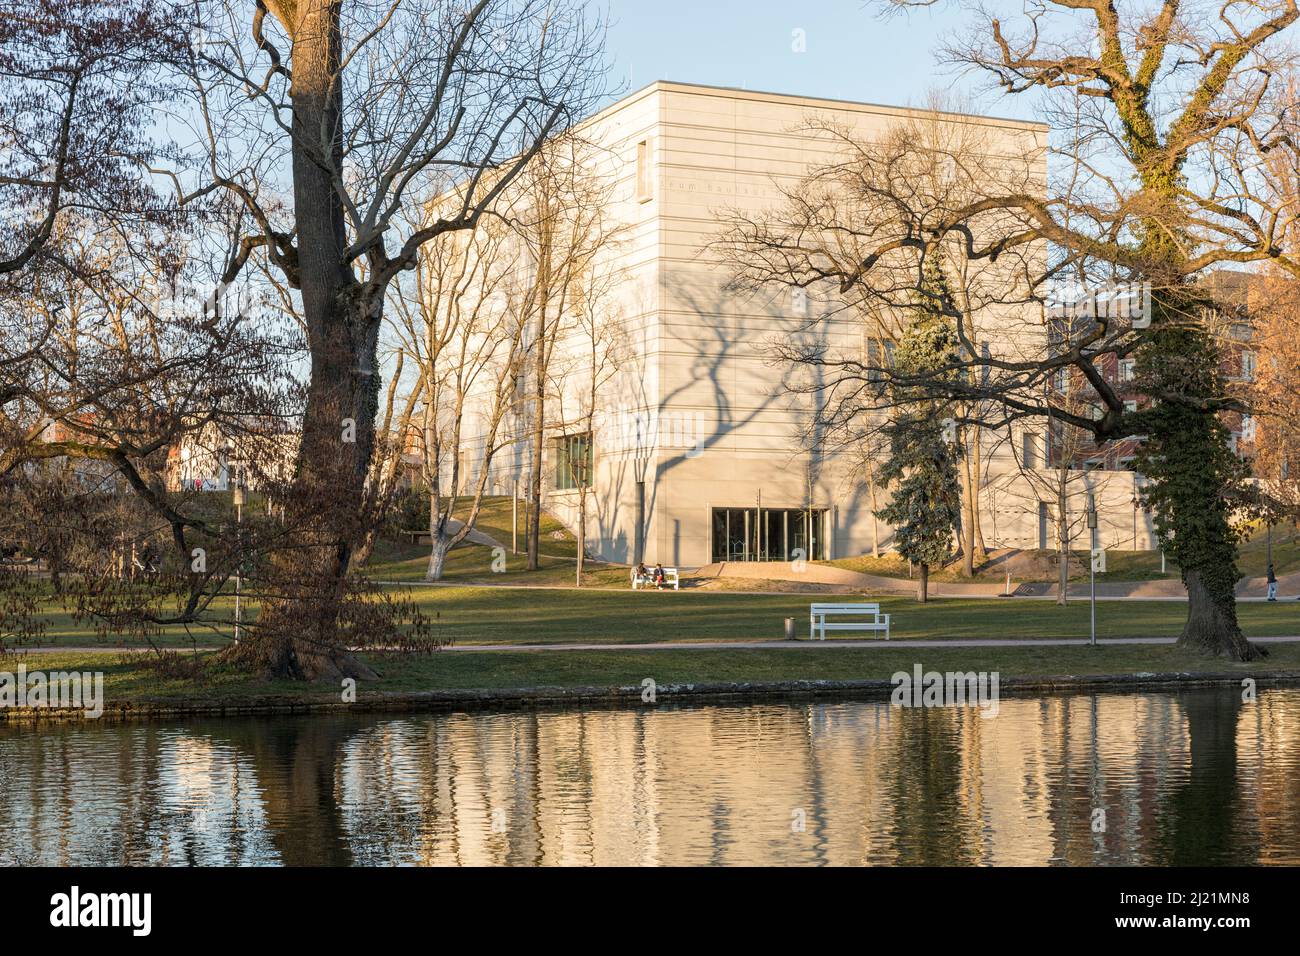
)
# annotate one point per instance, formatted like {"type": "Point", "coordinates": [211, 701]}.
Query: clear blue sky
{"type": "Point", "coordinates": [852, 53]}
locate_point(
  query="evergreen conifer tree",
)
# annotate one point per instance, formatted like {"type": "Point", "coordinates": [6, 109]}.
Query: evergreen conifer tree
{"type": "Point", "coordinates": [922, 467]}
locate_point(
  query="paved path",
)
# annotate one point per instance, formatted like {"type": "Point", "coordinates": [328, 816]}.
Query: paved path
{"type": "Point", "coordinates": [1044, 592]}
{"type": "Point", "coordinates": [1170, 589]}
{"type": "Point", "coordinates": [740, 645]}
{"type": "Point", "coordinates": [856, 580]}
{"type": "Point", "coordinates": [884, 645]}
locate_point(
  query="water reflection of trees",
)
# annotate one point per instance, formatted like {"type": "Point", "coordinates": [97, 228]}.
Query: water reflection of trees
{"type": "Point", "coordinates": [1204, 819]}
{"type": "Point", "coordinates": [932, 823]}
{"type": "Point", "coordinates": [1197, 777]}
{"type": "Point", "coordinates": [140, 794]}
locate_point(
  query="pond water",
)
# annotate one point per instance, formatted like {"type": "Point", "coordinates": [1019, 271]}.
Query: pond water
{"type": "Point", "coordinates": [1152, 778]}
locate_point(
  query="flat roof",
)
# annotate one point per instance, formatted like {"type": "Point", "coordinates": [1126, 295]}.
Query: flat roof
{"type": "Point", "coordinates": [737, 93]}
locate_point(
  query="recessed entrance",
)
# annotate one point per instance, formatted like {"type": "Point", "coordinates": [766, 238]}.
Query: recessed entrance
{"type": "Point", "coordinates": [768, 534]}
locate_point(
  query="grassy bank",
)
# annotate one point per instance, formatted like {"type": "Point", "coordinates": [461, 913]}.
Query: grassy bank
{"type": "Point", "coordinates": [474, 615]}
{"type": "Point", "coordinates": [512, 616]}
{"type": "Point", "coordinates": [128, 678]}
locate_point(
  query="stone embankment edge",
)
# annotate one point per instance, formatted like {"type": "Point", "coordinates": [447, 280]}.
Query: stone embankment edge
{"type": "Point", "coordinates": [390, 702]}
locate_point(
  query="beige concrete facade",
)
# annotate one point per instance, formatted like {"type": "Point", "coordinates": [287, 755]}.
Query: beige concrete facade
{"type": "Point", "coordinates": [698, 411]}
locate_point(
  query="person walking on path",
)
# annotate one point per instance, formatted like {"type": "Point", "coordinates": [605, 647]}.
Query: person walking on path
{"type": "Point", "coordinates": [1272, 583]}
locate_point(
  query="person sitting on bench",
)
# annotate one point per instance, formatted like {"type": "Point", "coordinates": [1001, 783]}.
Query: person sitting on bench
{"type": "Point", "coordinates": [659, 577]}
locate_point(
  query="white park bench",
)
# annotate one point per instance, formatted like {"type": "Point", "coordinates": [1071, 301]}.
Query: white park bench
{"type": "Point", "coordinates": [648, 579]}
{"type": "Point", "coordinates": [868, 618]}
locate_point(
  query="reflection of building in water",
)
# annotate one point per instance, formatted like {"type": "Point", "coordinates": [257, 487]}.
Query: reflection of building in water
{"type": "Point", "coordinates": [210, 803]}
{"type": "Point", "coordinates": [134, 795]}
{"type": "Point", "coordinates": [845, 783]}
{"type": "Point", "coordinates": [841, 783]}
{"type": "Point", "coordinates": [1268, 739]}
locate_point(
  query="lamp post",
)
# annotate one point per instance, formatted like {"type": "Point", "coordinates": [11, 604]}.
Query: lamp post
{"type": "Point", "coordinates": [237, 496]}
{"type": "Point", "coordinates": [1135, 503]}
{"type": "Point", "coordinates": [1092, 567]}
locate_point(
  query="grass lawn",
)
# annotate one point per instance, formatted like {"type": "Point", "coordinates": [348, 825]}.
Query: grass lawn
{"type": "Point", "coordinates": [486, 615]}
{"type": "Point", "coordinates": [127, 678]}
{"type": "Point", "coordinates": [473, 564]}
{"type": "Point", "coordinates": [495, 520]}
{"type": "Point", "coordinates": [472, 615]}
{"type": "Point", "coordinates": [595, 668]}
{"type": "Point", "coordinates": [1252, 558]}
{"type": "Point", "coordinates": [62, 628]}
{"type": "Point", "coordinates": [607, 612]}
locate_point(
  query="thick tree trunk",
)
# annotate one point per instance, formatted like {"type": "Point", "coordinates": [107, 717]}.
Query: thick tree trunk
{"type": "Point", "coordinates": [298, 634]}
{"type": "Point", "coordinates": [1194, 474]}
{"type": "Point", "coordinates": [1212, 627]}
{"type": "Point", "coordinates": [923, 584]}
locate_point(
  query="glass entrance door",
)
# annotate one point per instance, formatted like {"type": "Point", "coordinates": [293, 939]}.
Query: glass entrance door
{"type": "Point", "coordinates": [768, 534]}
{"type": "Point", "coordinates": [735, 534]}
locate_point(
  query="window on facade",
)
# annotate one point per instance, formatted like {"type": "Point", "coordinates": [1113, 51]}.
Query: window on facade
{"type": "Point", "coordinates": [799, 302]}
{"type": "Point", "coordinates": [1247, 428]}
{"type": "Point", "coordinates": [1062, 380]}
{"type": "Point", "coordinates": [644, 173]}
{"type": "Point", "coordinates": [462, 472]}
{"type": "Point", "coordinates": [1029, 456]}
{"type": "Point", "coordinates": [573, 462]}
{"type": "Point", "coordinates": [1248, 366]}
{"type": "Point", "coordinates": [1126, 369]}
{"type": "Point", "coordinates": [1131, 406]}
{"type": "Point", "coordinates": [880, 356]}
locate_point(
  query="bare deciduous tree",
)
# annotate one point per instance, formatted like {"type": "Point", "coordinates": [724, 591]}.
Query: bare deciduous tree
{"type": "Point", "coordinates": [557, 211]}
{"type": "Point", "coordinates": [598, 348]}
{"type": "Point", "coordinates": [375, 109]}
{"type": "Point", "coordinates": [1173, 112]}
{"type": "Point", "coordinates": [462, 326]}
{"type": "Point", "coordinates": [132, 367]}
{"type": "Point", "coordinates": [78, 79]}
